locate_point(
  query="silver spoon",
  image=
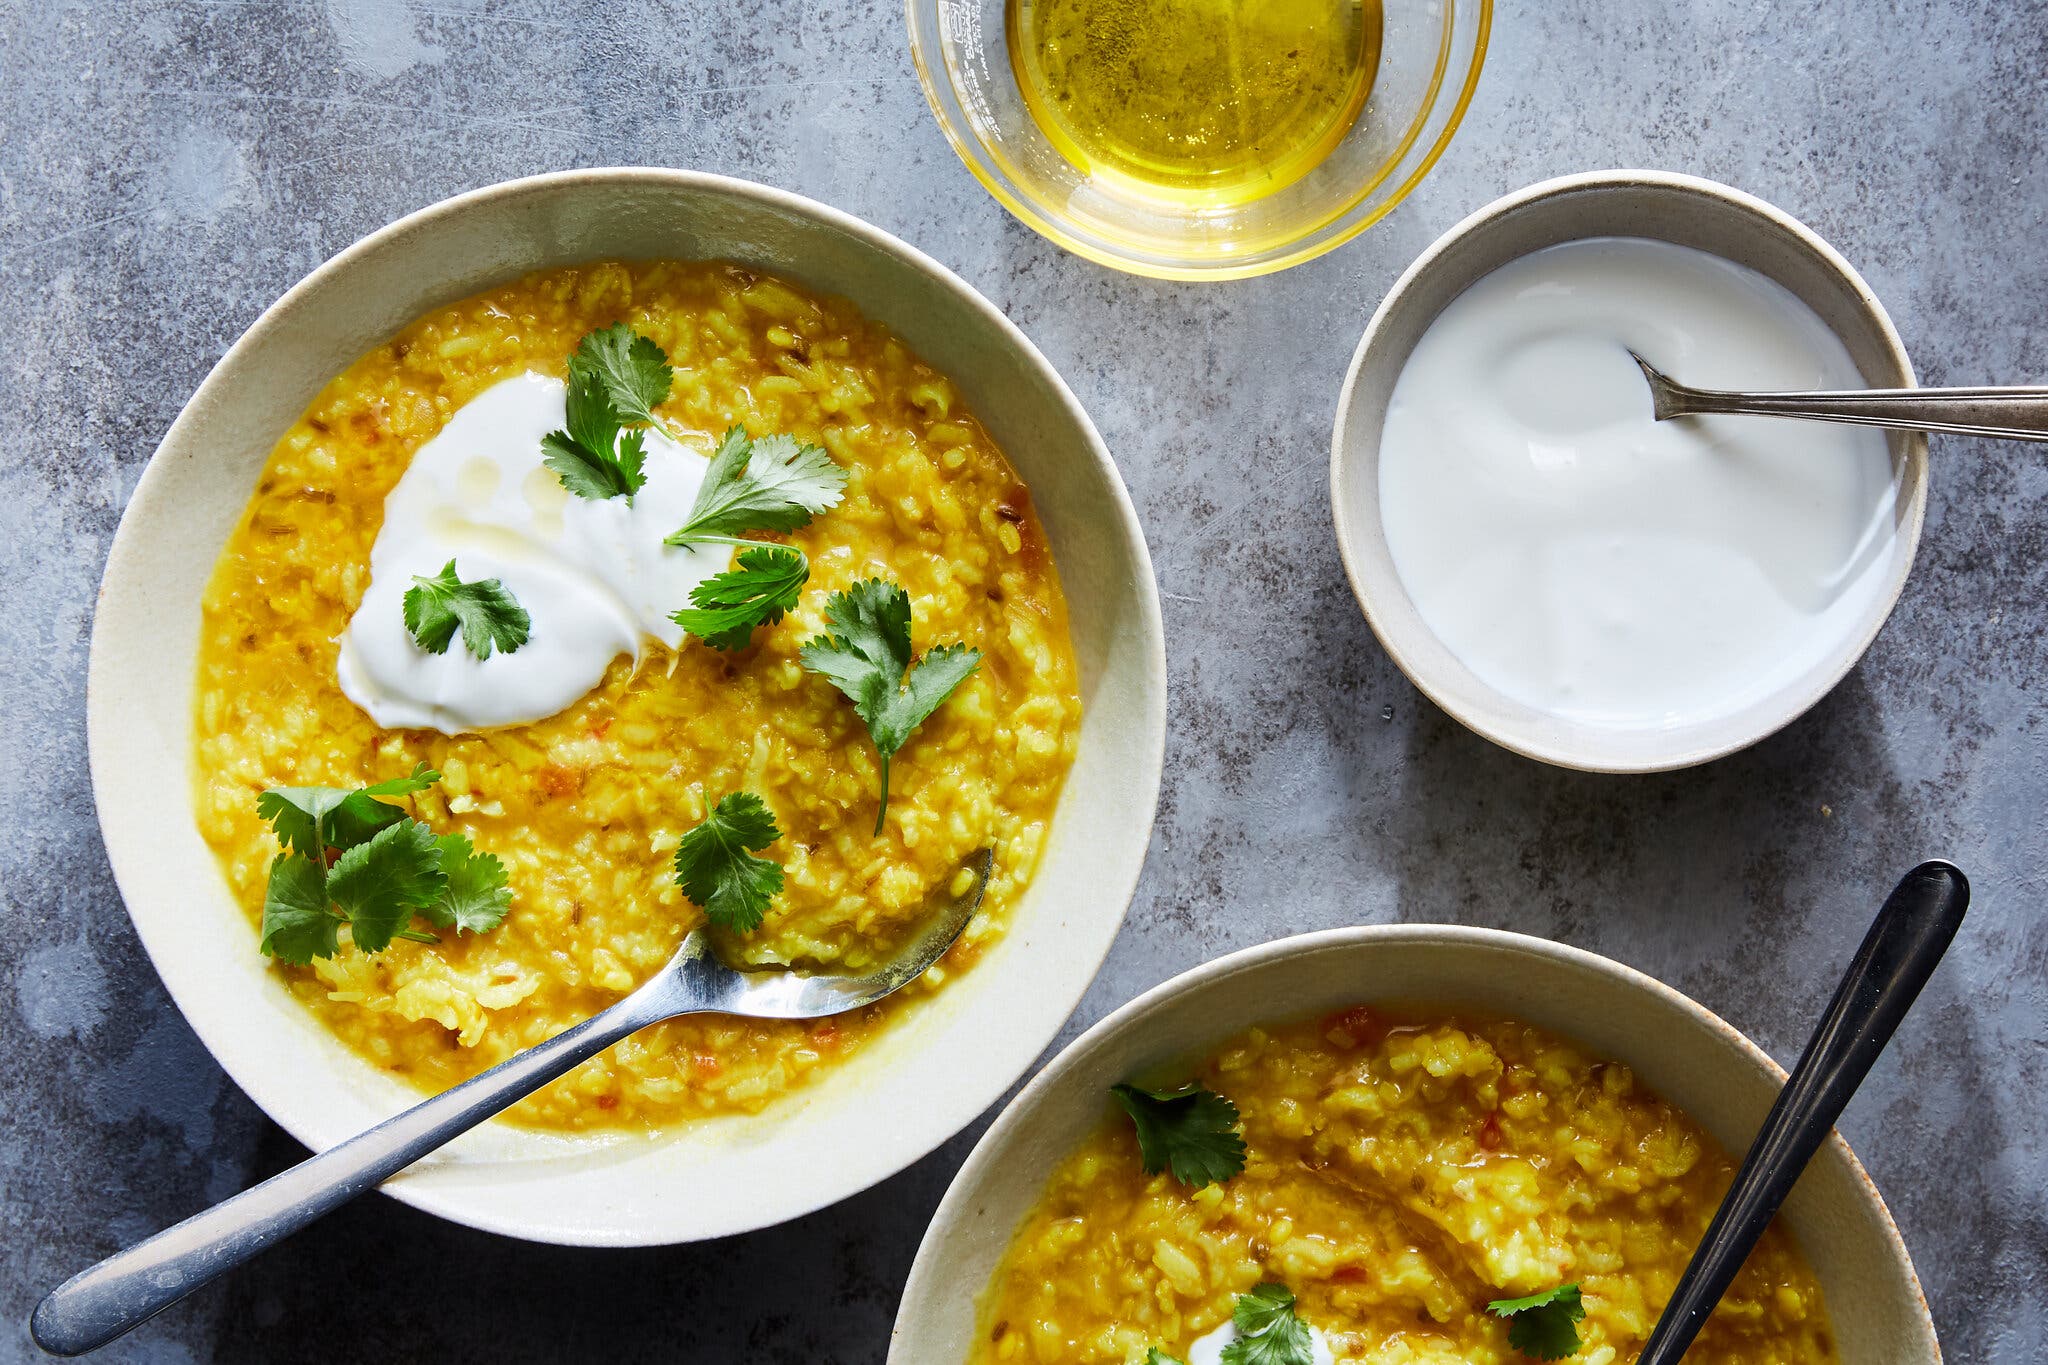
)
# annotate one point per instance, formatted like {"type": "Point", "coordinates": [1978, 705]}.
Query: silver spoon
{"type": "Point", "coordinates": [128, 1288]}
{"type": "Point", "coordinates": [2011, 413]}
{"type": "Point", "coordinates": [1906, 940]}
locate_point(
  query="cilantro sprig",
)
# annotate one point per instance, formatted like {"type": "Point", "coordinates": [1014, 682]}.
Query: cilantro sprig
{"type": "Point", "coordinates": [775, 483]}
{"type": "Point", "coordinates": [1192, 1131]}
{"type": "Point", "coordinates": [616, 380]}
{"type": "Point", "coordinates": [311, 820]}
{"type": "Point", "coordinates": [353, 858]}
{"type": "Point", "coordinates": [1543, 1325]}
{"type": "Point", "coordinates": [615, 377]}
{"type": "Point", "coordinates": [631, 369]}
{"type": "Point", "coordinates": [489, 616]}
{"type": "Point", "coordinates": [725, 608]}
{"type": "Point", "coordinates": [716, 866]}
{"type": "Point", "coordinates": [1268, 1331]}
{"type": "Point", "coordinates": [866, 655]}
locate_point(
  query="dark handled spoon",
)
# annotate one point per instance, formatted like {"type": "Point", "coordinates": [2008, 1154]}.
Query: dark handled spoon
{"type": "Point", "coordinates": [1906, 940]}
{"type": "Point", "coordinates": [128, 1288]}
{"type": "Point", "coordinates": [2011, 413]}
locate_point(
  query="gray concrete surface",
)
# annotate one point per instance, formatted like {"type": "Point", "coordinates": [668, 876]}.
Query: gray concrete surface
{"type": "Point", "coordinates": [168, 167]}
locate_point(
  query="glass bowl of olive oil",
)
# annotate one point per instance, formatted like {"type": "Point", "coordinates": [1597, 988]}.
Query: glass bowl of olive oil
{"type": "Point", "coordinates": [1199, 139]}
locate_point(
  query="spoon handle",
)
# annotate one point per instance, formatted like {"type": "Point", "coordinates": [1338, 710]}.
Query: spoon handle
{"type": "Point", "coordinates": [2009, 413]}
{"type": "Point", "coordinates": [128, 1288]}
{"type": "Point", "coordinates": [1906, 940]}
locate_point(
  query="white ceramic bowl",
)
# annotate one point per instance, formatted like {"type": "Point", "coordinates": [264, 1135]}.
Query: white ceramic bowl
{"type": "Point", "coordinates": [1676, 1046]}
{"type": "Point", "coordinates": [910, 1089]}
{"type": "Point", "coordinates": [1673, 208]}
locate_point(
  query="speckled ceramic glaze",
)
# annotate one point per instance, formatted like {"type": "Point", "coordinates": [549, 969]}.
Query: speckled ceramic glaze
{"type": "Point", "coordinates": [892, 1102]}
{"type": "Point", "coordinates": [1673, 208]}
{"type": "Point", "coordinates": [1676, 1046]}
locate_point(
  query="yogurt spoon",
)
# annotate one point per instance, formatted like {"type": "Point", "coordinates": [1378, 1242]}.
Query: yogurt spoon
{"type": "Point", "coordinates": [2012, 413]}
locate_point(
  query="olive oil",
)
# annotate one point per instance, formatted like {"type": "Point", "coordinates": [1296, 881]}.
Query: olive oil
{"type": "Point", "coordinates": [1211, 101]}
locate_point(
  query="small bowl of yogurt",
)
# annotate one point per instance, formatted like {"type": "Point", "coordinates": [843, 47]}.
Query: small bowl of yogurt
{"type": "Point", "coordinates": [1566, 576]}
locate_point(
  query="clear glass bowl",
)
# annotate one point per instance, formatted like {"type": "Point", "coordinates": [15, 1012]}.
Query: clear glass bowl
{"type": "Point", "coordinates": [1429, 59]}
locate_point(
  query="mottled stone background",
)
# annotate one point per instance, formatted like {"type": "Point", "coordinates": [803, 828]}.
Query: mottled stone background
{"type": "Point", "coordinates": [168, 167]}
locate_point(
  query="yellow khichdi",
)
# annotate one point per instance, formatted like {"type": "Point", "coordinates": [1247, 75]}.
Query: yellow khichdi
{"type": "Point", "coordinates": [1400, 1176]}
{"type": "Point", "coordinates": [586, 807]}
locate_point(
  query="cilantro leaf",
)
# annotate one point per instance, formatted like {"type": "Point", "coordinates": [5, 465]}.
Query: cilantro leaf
{"type": "Point", "coordinates": [633, 371]}
{"type": "Point", "coordinates": [725, 608]}
{"type": "Point", "coordinates": [773, 484]}
{"type": "Point", "coordinates": [715, 869]}
{"type": "Point", "coordinates": [594, 456]}
{"type": "Point", "coordinates": [1261, 1307]}
{"type": "Point", "coordinates": [311, 820]}
{"type": "Point", "coordinates": [418, 780]}
{"type": "Point", "coordinates": [391, 867]}
{"type": "Point", "coordinates": [1543, 1325]}
{"type": "Point", "coordinates": [297, 925]}
{"type": "Point", "coordinates": [476, 897]}
{"type": "Point", "coordinates": [296, 815]}
{"type": "Point", "coordinates": [490, 616]}
{"type": "Point", "coordinates": [1268, 1332]}
{"type": "Point", "coordinates": [1191, 1130]}
{"type": "Point", "coordinates": [1155, 1356]}
{"type": "Point", "coordinates": [379, 885]}
{"type": "Point", "coordinates": [868, 659]}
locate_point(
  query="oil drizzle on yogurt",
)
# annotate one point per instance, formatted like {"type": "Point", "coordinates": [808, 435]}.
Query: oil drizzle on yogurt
{"type": "Point", "coordinates": [593, 574]}
{"type": "Point", "coordinates": [1592, 563]}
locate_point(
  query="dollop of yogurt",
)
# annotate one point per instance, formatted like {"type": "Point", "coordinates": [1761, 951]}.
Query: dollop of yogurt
{"type": "Point", "coordinates": [1596, 564]}
{"type": "Point", "coordinates": [1208, 1350]}
{"type": "Point", "coordinates": [593, 574]}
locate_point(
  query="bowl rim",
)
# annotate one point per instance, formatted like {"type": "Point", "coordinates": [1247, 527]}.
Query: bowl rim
{"type": "Point", "coordinates": [155, 925]}
{"type": "Point", "coordinates": [1369, 588]}
{"type": "Point", "coordinates": [1305, 247]}
{"type": "Point", "coordinates": [956, 1208]}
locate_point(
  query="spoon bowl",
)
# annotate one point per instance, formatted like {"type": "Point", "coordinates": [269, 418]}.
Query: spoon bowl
{"type": "Point", "coordinates": [122, 1292]}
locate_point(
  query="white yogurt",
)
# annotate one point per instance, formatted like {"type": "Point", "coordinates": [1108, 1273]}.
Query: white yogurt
{"type": "Point", "coordinates": [1592, 563]}
{"type": "Point", "coordinates": [593, 575]}
{"type": "Point", "coordinates": [1208, 1350]}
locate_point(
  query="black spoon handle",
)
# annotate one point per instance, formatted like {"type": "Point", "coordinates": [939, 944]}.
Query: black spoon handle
{"type": "Point", "coordinates": [1906, 940]}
